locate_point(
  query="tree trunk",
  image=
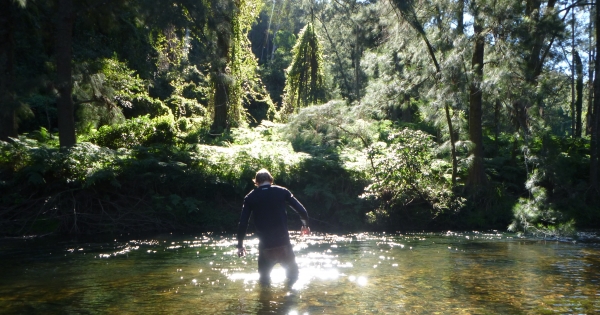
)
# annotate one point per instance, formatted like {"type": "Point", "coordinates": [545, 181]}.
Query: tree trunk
{"type": "Point", "coordinates": [221, 104]}
{"type": "Point", "coordinates": [406, 113]}
{"type": "Point", "coordinates": [579, 92]}
{"type": "Point", "coordinates": [8, 103]}
{"type": "Point", "coordinates": [338, 58]}
{"type": "Point", "coordinates": [595, 116]}
{"type": "Point", "coordinates": [476, 171]}
{"type": "Point", "coordinates": [535, 59]}
{"type": "Point", "coordinates": [357, 57]}
{"type": "Point", "coordinates": [452, 144]}
{"type": "Point", "coordinates": [534, 62]}
{"type": "Point", "coordinates": [460, 17]}
{"type": "Point", "coordinates": [409, 14]}
{"type": "Point", "coordinates": [573, 62]}
{"type": "Point", "coordinates": [591, 58]}
{"type": "Point", "coordinates": [64, 84]}
{"type": "Point", "coordinates": [497, 106]}
{"type": "Point", "coordinates": [222, 85]}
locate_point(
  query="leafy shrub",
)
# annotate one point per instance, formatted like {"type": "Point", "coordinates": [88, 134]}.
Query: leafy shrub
{"type": "Point", "coordinates": [90, 116]}
{"type": "Point", "coordinates": [194, 130]}
{"type": "Point", "coordinates": [43, 111]}
{"type": "Point", "coordinates": [184, 107]}
{"type": "Point", "coordinates": [536, 215]}
{"type": "Point", "coordinates": [406, 173]}
{"type": "Point", "coordinates": [136, 132]}
{"type": "Point", "coordinates": [326, 128]}
{"type": "Point", "coordinates": [142, 105]}
{"type": "Point", "coordinates": [556, 187]}
{"type": "Point", "coordinates": [200, 94]}
{"type": "Point", "coordinates": [330, 193]}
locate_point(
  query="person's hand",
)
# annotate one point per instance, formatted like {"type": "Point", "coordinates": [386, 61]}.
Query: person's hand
{"type": "Point", "coordinates": [305, 230]}
{"type": "Point", "coordinates": [241, 251]}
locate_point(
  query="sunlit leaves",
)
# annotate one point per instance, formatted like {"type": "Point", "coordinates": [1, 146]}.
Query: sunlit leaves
{"type": "Point", "coordinates": [139, 131]}
{"type": "Point", "coordinates": [405, 172]}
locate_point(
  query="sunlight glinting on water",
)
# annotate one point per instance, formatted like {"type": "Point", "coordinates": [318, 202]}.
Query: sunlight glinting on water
{"type": "Point", "coordinates": [278, 276]}
{"type": "Point", "coordinates": [314, 266]}
{"type": "Point", "coordinates": [449, 272]}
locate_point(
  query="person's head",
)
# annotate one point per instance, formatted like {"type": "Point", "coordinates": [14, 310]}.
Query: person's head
{"type": "Point", "coordinates": [263, 176]}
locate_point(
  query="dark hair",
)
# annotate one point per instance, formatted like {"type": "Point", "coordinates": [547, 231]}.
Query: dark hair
{"type": "Point", "coordinates": [262, 176]}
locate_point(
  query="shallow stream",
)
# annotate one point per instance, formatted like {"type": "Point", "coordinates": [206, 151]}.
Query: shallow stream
{"type": "Point", "coordinates": [420, 273]}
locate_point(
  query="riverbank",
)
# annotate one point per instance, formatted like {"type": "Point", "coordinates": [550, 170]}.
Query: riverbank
{"type": "Point", "coordinates": [192, 186]}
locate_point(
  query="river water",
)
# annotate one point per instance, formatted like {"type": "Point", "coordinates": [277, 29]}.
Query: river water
{"type": "Point", "coordinates": [371, 273]}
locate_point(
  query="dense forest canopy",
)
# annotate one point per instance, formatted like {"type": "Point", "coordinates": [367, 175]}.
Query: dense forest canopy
{"type": "Point", "coordinates": [383, 114]}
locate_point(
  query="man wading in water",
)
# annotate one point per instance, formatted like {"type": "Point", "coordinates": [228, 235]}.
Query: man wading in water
{"type": "Point", "coordinates": [267, 204]}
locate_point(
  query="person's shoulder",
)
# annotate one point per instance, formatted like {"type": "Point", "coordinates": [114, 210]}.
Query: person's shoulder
{"type": "Point", "coordinates": [250, 193]}
{"type": "Point", "coordinates": [280, 188]}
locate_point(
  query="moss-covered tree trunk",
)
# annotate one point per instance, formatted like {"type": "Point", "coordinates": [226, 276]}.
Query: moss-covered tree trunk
{"type": "Point", "coordinates": [234, 67]}
{"type": "Point", "coordinates": [64, 84]}
{"type": "Point", "coordinates": [305, 83]}
{"type": "Point", "coordinates": [221, 81]}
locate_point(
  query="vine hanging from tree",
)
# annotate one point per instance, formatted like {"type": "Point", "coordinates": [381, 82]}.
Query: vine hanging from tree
{"type": "Point", "coordinates": [305, 83]}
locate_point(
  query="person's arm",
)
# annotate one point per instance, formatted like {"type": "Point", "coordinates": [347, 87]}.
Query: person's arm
{"type": "Point", "coordinates": [242, 227]}
{"type": "Point", "coordinates": [300, 210]}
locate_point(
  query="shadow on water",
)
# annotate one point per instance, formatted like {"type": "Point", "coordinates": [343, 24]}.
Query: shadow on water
{"type": "Point", "coordinates": [421, 273]}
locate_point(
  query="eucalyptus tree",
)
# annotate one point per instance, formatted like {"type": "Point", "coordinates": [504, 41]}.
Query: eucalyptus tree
{"type": "Point", "coordinates": [407, 12]}
{"type": "Point", "coordinates": [277, 16]}
{"type": "Point", "coordinates": [477, 175]}
{"type": "Point", "coordinates": [537, 26]}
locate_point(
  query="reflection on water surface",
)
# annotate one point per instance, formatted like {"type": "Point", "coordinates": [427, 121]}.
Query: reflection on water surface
{"type": "Point", "coordinates": [423, 273]}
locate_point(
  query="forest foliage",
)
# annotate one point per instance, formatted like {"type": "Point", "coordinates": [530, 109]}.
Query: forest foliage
{"type": "Point", "coordinates": [379, 115]}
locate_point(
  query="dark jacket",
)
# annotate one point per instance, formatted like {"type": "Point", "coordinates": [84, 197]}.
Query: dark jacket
{"type": "Point", "coordinates": [267, 205]}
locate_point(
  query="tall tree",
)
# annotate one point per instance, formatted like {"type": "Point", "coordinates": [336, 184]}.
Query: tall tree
{"type": "Point", "coordinates": [595, 133]}
{"type": "Point", "coordinates": [64, 85]}
{"type": "Point", "coordinates": [460, 16]}
{"type": "Point", "coordinates": [222, 79]}
{"type": "Point", "coordinates": [579, 94]}
{"type": "Point", "coordinates": [234, 67]}
{"type": "Point", "coordinates": [591, 59]}
{"type": "Point", "coordinates": [536, 38]}
{"type": "Point", "coordinates": [349, 28]}
{"type": "Point", "coordinates": [476, 170]}
{"type": "Point", "coordinates": [305, 83]}
{"type": "Point", "coordinates": [407, 10]}
{"type": "Point", "coordinates": [8, 99]}
{"type": "Point", "coordinates": [67, 13]}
